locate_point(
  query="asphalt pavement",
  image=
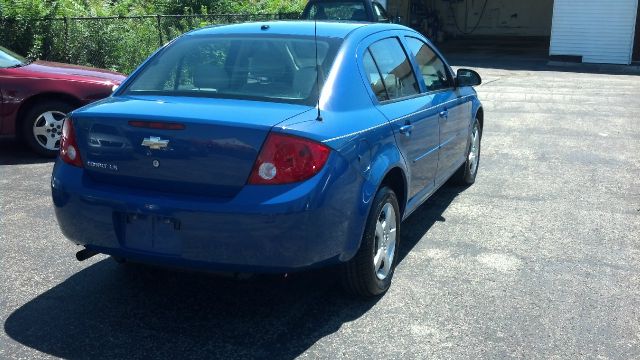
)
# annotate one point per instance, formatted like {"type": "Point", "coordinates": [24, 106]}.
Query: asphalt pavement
{"type": "Point", "coordinates": [539, 259]}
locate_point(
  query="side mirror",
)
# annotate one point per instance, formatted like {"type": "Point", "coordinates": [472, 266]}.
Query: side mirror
{"type": "Point", "coordinates": [467, 77]}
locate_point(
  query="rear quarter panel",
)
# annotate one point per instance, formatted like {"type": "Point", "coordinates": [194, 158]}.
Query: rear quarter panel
{"type": "Point", "coordinates": [351, 125]}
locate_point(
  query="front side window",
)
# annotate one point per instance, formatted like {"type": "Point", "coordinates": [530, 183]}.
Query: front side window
{"type": "Point", "coordinates": [339, 10]}
{"type": "Point", "coordinates": [434, 71]}
{"type": "Point", "coordinates": [265, 68]}
{"type": "Point", "coordinates": [380, 13]}
{"type": "Point", "coordinates": [395, 69]}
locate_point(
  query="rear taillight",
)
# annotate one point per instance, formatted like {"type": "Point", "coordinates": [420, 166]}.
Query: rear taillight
{"type": "Point", "coordinates": [286, 159]}
{"type": "Point", "coordinates": [69, 152]}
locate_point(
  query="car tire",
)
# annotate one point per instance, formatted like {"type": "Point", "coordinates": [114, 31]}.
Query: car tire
{"type": "Point", "coordinates": [41, 126]}
{"type": "Point", "coordinates": [466, 174]}
{"type": "Point", "coordinates": [370, 271]}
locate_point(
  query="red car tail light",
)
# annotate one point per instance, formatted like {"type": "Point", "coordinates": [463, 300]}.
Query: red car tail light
{"type": "Point", "coordinates": [69, 151]}
{"type": "Point", "coordinates": [285, 159]}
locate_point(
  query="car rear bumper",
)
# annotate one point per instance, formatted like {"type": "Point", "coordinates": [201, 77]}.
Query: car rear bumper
{"type": "Point", "coordinates": [261, 229]}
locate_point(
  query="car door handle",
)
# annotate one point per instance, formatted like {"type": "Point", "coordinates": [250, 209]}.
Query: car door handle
{"type": "Point", "coordinates": [444, 114]}
{"type": "Point", "coordinates": [406, 129]}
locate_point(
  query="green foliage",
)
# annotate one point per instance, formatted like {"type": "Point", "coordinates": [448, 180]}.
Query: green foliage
{"type": "Point", "coordinates": [50, 8]}
{"type": "Point", "coordinates": [47, 29]}
{"type": "Point", "coordinates": [266, 6]}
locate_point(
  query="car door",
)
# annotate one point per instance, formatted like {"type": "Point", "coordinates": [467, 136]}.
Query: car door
{"type": "Point", "coordinates": [453, 109]}
{"type": "Point", "coordinates": [400, 97]}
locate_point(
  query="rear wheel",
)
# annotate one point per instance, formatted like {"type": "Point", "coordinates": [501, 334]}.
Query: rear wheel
{"type": "Point", "coordinates": [466, 174]}
{"type": "Point", "coordinates": [42, 126]}
{"type": "Point", "coordinates": [370, 271]}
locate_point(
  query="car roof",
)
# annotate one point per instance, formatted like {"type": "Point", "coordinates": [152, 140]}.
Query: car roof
{"type": "Point", "coordinates": [339, 29]}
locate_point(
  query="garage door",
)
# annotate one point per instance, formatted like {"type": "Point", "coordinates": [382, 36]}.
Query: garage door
{"type": "Point", "coordinates": [599, 31]}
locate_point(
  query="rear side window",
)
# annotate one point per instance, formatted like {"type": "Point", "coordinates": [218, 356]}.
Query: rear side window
{"type": "Point", "coordinates": [375, 80]}
{"type": "Point", "coordinates": [395, 71]}
{"type": "Point", "coordinates": [434, 71]}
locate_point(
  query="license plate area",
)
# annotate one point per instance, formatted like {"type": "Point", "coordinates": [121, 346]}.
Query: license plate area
{"type": "Point", "coordinates": [158, 234]}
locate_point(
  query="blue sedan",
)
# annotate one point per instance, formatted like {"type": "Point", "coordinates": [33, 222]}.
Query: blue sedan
{"type": "Point", "coordinates": [269, 147]}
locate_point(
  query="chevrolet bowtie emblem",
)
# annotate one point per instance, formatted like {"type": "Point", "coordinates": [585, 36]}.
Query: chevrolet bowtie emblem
{"type": "Point", "coordinates": [154, 142]}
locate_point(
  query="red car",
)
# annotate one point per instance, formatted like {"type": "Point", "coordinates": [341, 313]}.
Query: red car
{"type": "Point", "coordinates": [36, 96]}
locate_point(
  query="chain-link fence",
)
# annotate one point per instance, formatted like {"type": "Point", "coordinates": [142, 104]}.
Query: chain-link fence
{"type": "Point", "coordinates": [116, 43]}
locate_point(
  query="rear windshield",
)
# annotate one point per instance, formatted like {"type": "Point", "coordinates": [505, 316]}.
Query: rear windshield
{"type": "Point", "coordinates": [264, 68]}
{"type": "Point", "coordinates": [340, 10]}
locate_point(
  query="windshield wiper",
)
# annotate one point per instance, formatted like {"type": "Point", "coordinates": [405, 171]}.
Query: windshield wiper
{"type": "Point", "coordinates": [20, 64]}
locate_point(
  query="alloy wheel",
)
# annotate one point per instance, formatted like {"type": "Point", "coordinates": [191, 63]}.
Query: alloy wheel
{"type": "Point", "coordinates": [385, 241]}
{"type": "Point", "coordinates": [47, 129]}
{"type": "Point", "coordinates": [474, 151]}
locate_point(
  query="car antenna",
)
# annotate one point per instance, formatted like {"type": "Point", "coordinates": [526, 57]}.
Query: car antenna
{"type": "Point", "coordinates": [315, 39]}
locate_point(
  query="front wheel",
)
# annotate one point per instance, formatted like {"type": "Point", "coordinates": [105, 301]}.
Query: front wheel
{"type": "Point", "coordinates": [466, 174]}
{"type": "Point", "coordinates": [370, 271]}
{"type": "Point", "coordinates": [42, 126]}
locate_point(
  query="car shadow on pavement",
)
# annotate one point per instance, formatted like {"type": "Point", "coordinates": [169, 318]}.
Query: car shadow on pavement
{"type": "Point", "coordinates": [109, 310]}
{"type": "Point", "coordinates": [518, 53]}
{"type": "Point", "coordinates": [14, 152]}
{"type": "Point", "coordinates": [422, 219]}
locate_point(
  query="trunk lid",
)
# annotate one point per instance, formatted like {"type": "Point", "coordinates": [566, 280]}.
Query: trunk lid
{"type": "Point", "coordinates": [212, 155]}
